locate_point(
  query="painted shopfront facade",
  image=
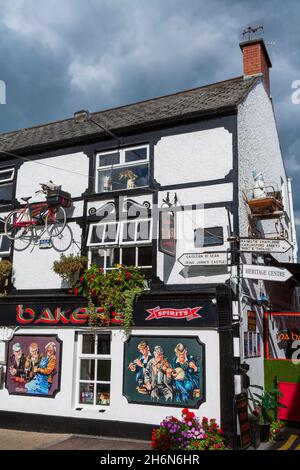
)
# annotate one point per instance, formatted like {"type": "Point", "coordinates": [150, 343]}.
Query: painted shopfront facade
{"type": "Point", "coordinates": [166, 197]}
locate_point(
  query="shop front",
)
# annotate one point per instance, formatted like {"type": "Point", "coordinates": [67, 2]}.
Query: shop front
{"type": "Point", "coordinates": [61, 373]}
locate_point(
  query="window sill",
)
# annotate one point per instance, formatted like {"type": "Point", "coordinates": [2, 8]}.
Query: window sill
{"type": "Point", "coordinates": [112, 194]}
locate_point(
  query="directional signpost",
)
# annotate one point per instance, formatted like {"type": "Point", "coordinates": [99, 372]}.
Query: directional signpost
{"type": "Point", "coordinates": [264, 245]}
{"type": "Point", "coordinates": [265, 273]}
{"type": "Point", "coordinates": [215, 258]}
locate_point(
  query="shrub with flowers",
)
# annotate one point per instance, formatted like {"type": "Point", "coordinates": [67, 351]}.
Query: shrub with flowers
{"type": "Point", "coordinates": [114, 291]}
{"type": "Point", "coordinates": [189, 433]}
{"type": "Point", "coordinates": [275, 430]}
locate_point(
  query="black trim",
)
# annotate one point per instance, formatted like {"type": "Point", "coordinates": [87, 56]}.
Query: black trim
{"type": "Point", "coordinates": [70, 425]}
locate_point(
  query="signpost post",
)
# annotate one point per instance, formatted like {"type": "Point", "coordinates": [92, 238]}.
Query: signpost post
{"type": "Point", "coordinates": [216, 258]}
{"type": "Point", "coordinates": [266, 273]}
{"type": "Point", "coordinates": [264, 245]}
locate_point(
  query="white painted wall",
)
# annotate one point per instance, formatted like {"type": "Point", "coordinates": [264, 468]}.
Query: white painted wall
{"type": "Point", "coordinates": [194, 156]}
{"type": "Point", "coordinates": [73, 176]}
{"type": "Point", "coordinates": [32, 266]}
{"type": "Point", "coordinates": [64, 403]}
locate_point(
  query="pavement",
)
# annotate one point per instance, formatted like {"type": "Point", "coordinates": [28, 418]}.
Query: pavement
{"type": "Point", "coordinates": [25, 440]}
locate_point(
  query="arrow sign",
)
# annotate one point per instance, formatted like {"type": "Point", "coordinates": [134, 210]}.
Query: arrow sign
{"type": "Point", "coordinates": [264, 245]}
{"type": "Point", "coordinates": [266, 273]}
{"type": "Point", "coordinates": [215, 258]}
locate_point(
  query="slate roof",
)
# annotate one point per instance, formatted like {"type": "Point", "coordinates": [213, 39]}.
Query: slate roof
{"type": "Point", "coordinates": [211, 99]}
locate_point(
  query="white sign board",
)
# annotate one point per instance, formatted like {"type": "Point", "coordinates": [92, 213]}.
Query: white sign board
{"type": "Point", "coordinates": [266, 273]}
{"type": "Point", "coordinates": [204, 259]}
{"type": "Point", "coordinates": [264, 245]}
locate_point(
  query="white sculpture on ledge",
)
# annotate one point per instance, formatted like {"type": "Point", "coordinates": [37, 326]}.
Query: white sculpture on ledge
{"type": "Point", "coordinates": [259, 186]}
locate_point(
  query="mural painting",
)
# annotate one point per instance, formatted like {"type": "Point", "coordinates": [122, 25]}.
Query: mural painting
{"type": "Point", "coordinates": [33, 366]}
{"type": "Point", "coordinates": [164, 371]}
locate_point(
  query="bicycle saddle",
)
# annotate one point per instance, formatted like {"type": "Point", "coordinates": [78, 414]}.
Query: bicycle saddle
{"type": "Point", "coordinates": [26, 199]}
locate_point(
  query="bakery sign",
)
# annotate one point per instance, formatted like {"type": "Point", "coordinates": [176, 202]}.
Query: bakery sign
{"type": "Point", "coordinates": [52, 314]}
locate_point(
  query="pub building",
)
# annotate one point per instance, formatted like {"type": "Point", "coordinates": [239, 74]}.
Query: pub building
{"type": "Point", "coordinates": [170, 185]}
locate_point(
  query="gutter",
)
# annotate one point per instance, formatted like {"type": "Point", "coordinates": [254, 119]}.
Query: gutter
{"type": "Point", "coordinates": [292, 217]}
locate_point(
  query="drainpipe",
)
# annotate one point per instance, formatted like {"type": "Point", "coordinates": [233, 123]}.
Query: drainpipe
{"type": "Point", "coordinates": [292, 218]}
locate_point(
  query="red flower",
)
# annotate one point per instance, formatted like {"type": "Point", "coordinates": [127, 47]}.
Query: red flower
{"type": "Point", "coordinates": [81, 279]}
{"type": "Point", "coordinates": [185, 411]}
{"type": "Point", "coordinates": [128, 275]}
{"type": "Point", "coordinates": [216, 446]}
{"type": "Point", "coordinates": [76, 291]}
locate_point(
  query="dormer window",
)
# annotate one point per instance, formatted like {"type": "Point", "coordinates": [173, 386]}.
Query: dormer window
{"type": "Point", "coordinates": [122, 169]}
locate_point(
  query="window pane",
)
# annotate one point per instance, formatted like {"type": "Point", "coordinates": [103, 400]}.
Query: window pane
{"type": "Point", "coordinates": [119, 178]}
{"type": "Point", "coordinates": [208, 236]}
{"type": "Point", "coordinates": [143, 230]}
{"type": "Point", "coordinates": [86, 394]}
{"type": "Point", "coordinates": [6, 192]}
{"type": "Point", "coordinates": [103, 371]}
{"type": "Point", "coordinates": [128, 234]}
{"type": "Point", "coordinates": [88, 344]}
{"type": "Point", "coordinates": [113, 257]}
{"type": "Point", "coordinates": [103, 346]}
{"type": "Point", "coordinates": [103, 394]}
{"type": "Point", "coordinates": [110, 233]}
{"type": "Point", "coordinates": [128, 256]}
{"type": "Point", "coordinates": [87, 369]}
{"type": "Point", "coordinates": [109, 159]}
{"type": "Point", "coordinates": [145, 256]}
{"type": "Point", "coordinates": [97, 234]}
{"type": "Point", "coordinates": [98, 257]}
{"type": "Point", "coordinates": [4, 244]}
{"type": "Point", "coordinates": [135, 154]}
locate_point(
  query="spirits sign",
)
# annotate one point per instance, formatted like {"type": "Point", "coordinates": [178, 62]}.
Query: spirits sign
{"type": "Point", "coordinates": [264, 245]}
{"type": "Point", "coordinates": [216, 258]}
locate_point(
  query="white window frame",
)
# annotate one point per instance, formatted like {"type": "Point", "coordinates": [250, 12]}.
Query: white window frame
{"type": "Point", "coordinates": [105, 268]}
{"type": "Point", "coordinates": [94, 357]}
{"type": "Point", "coordinates": [8, 180]}
{"type": "Point", "coordinates": [135, 241]}
{"type": "Point", "coordinates": [122, 163]}
{"type": "Point", "coordinates": [103, 243]}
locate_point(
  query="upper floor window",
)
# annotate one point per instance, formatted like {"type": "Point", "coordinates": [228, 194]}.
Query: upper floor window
{"type": "Point", "coordinates": [210, 236]}
{"type": "Point", "coordinates": [122, 169]}
{"type": "Point", "coordinates": [6, 185]}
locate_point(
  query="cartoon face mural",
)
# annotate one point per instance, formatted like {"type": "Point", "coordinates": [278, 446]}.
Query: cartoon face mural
{"type": "Point", "coordinates": [164, 371]}
{"type": "Point", "coordinates": [33, 366]}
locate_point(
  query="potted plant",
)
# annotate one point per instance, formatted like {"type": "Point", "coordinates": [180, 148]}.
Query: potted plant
{"type": "Point", "coordinates": [131, 178]}
{"type": "Point", "coordinates": [68, 267]}
{"type": "Point", "coordinates": [5, 272]}
{"type": "Point", "coordinates": [265, 408]}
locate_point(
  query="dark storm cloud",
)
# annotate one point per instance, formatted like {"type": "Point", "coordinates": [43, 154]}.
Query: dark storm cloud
{"type": "Point", "coordinates": [61, 55]}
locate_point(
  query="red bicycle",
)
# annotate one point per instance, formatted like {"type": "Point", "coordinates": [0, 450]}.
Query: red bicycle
{"type": "Point", "coordinates": [24, 221]}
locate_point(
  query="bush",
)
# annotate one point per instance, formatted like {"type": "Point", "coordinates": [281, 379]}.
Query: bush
{"type": "Point", "coordinates": [189, 433]}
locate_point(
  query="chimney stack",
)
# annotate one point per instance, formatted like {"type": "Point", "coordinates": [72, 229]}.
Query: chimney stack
{"type": "Point", "coordinates": [256, 60]}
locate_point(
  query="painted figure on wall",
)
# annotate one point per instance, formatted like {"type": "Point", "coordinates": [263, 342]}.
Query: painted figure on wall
{"type": "Point", "coordinates": [34, 365]}
{"type": "Point", "coordinates": [169, 370]}
{"type": "Point", "coordinates": [17, 362]}
{"type": "Point", "coordinates": [186, 374]}
{"type": "Point", "coordinates": [32, 360]}
{"type": "Point", "coordinates": [44, 373]}
{"type": "Point", "coordinates": [139, 365]}
{"type": "Point", "coordinates": [158, 376]}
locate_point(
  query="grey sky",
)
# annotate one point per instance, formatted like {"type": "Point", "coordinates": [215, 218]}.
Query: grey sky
{"type": "Point", "coordinates": [58, 56]}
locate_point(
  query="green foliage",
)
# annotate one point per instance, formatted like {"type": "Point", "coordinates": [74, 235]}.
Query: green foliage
{"type": "Point", "coordinates": [68, 266]}
{"type": "Point", "coordinates": [266, 404]}
{"type": "Point", "coordinates": [5, 269]}
{"type": "Point", "coordinates": [114, 291]}
{"type": "Point", "coordinates": [275, 430]}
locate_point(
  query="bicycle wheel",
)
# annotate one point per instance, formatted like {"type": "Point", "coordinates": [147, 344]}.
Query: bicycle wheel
{"type": "Point", "coordinates": [11, 228]}
{"type": "Point", "coordinates": [55, 221]}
